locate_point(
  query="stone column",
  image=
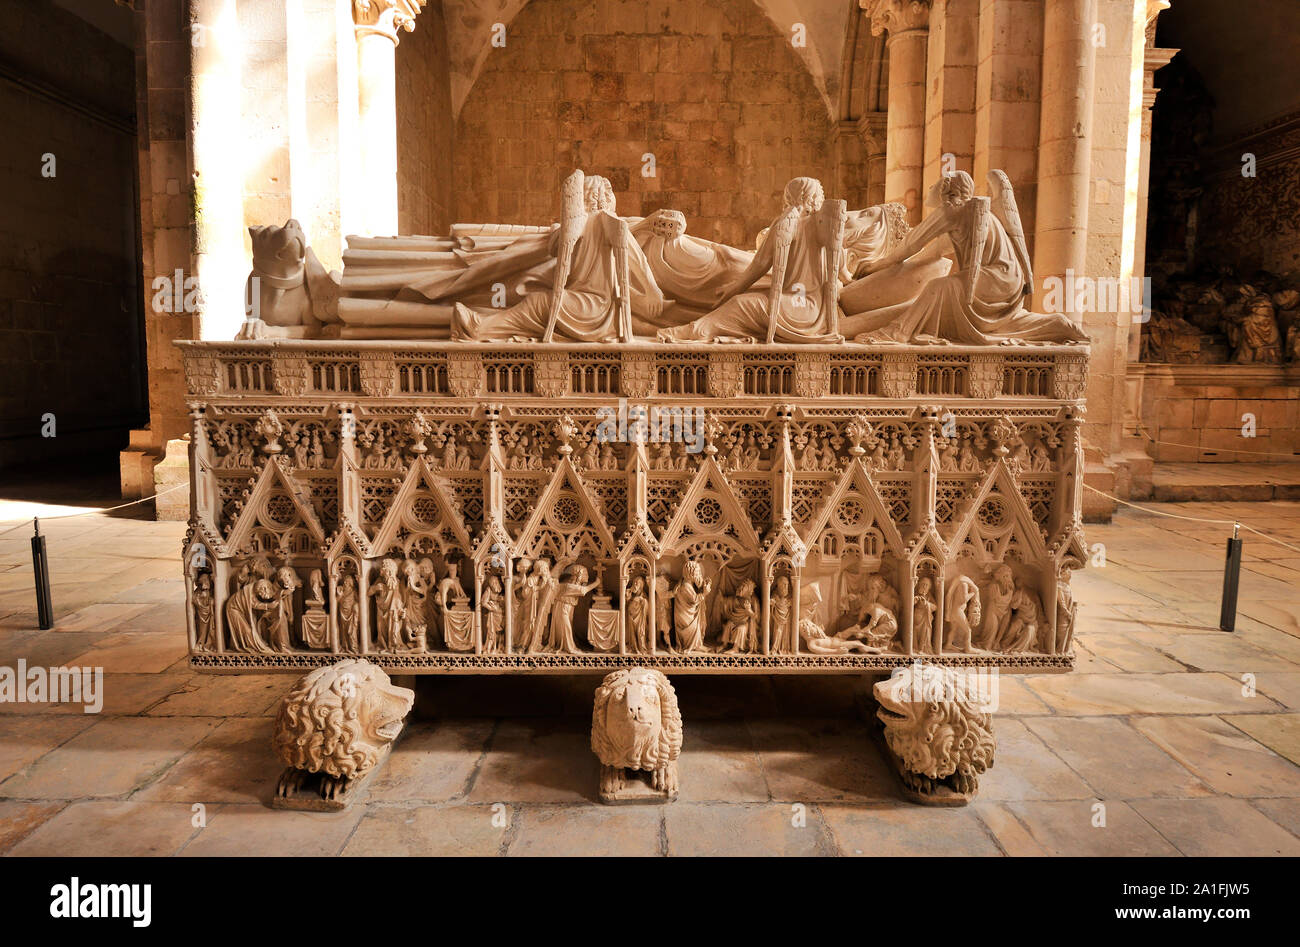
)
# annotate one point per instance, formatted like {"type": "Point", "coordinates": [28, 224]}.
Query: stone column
{"type": "Point", "coordinates": [908, 25]}
{"type": "Point", "coordinates": [951, 61]}
{"type": "Point", "coordinates": [1006, 102]}
{"type": "Point", "coordinates": [872, 129]}
{"type": "Point", "coordinates": [1065, 142]}
{"type": "Point", "coordinates": [1153, 59]}
{"type": "Point", "coordinates": [377, 24]}
{"type": "Point", "coordinates": [215, 138]}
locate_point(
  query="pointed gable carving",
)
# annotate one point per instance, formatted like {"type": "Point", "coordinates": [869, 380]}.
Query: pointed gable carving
{"type": "Point", "coordinates": [277, 506]}
{"type": "Point", "coordinates": [998, 520]}
{"type": "Point", "coordinates": [710, 507]}
{"type": "Point", "coordinates": [639, 540]}
{"type": "Point", "coordinates": [348, 541]}
{"type": "Point", "coordinates": [567, 521]}
{"type": "Point", "coordinates": [422, 505]}
{"type": "Point", "coordinates": [855, 486]}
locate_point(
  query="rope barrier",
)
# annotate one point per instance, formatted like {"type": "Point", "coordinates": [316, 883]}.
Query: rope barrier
{"type": "Point", "coordinates": [1222, 450]}
{"type": "Point", "coordinates": [1196, 519]}
{"type": "Point", "coordinates": [120, 506]}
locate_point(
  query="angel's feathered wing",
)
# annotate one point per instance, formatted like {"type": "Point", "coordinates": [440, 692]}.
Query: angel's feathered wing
{"type": "Point", "coordinates": [1008, 213]}
{"type": "Point", "coordinates": [831, 221]}
{"type": "Point", "coordinates": [979, 234]}
{"type": "Point", "coordinates": [573, 215]}
{"type": "Point", "coordinates": [781, 236]}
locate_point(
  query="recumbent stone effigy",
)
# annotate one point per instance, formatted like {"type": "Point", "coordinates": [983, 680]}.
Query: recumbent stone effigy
{"type": "Point", "coordinates": [610, 445]}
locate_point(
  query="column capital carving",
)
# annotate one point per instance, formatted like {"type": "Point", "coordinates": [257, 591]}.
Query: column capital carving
{"type": "Point", "coordinates": [873, 130]}
{"type": "Point", "coordinates": [385, 17]}
{"type": "Point", "coordinates": [1154, 9]}
{"type": "Point", "coordinates": [897, 16]}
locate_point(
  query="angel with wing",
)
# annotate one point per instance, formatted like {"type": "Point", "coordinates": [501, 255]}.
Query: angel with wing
{"type": "Point", "coordinates": [803, 251]}
{"type": "Point", "coordinates": [602, 279]}
{"type": "Point", "coordinates": [982, 301]}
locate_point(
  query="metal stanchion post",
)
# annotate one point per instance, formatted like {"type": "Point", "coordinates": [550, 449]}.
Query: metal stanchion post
{"type": "Point", "coordinates": [1231, 580]}
{"type": "Point", "coordinates": [41, 569]}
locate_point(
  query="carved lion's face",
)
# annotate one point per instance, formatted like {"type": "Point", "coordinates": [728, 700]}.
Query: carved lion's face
{"type": "Point", "coordinates": [633, 713]}
{"type": "Point", "coordinates": [380, 706]}
{"type": "Point", "coordinates": [930, 723]}
{"type": "Point", "coordinates": [338, 719]}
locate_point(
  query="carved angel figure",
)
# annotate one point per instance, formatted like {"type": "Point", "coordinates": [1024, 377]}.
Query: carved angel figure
{"type": "Point", "coordinates": [982, 303]}
{"type": "Point", "coordinates": [602, 279]}
{"type": "Point", "coordinates": [801, 304]}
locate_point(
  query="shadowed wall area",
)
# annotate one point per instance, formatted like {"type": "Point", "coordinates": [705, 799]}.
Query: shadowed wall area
{"type": "Point", "coordinates": [714, 91]}
{"type": "Point", "coordinates": [69, 306]}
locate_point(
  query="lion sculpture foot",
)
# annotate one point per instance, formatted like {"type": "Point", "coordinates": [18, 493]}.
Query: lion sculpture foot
{"type": "Point", "coordinates": [938, 733]}
{"type": "Point", "coordinates": [335, 726]}
{"type": "Point", "coordinates": [636, 733]}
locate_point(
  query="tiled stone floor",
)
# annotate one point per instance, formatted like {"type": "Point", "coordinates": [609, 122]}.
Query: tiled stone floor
{"type": "Point", "coordinates": [1178, 737]}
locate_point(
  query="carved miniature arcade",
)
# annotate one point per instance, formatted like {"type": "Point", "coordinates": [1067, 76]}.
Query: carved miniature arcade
{"type": "Point", "coordinates": [428, 486]}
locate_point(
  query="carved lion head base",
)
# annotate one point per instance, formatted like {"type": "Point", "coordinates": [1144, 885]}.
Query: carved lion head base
{"type": "Point", "coordinates": [636, 731]}
{"type": "Point", "coordinates": [938, 736]}
{"type": "Point", "coordinates": [333, 729]}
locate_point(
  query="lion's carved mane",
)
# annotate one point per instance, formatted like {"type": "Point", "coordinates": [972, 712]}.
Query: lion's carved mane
{"type": "Point", "coordinates": [940, 734]}
{"type": "Point", "coordinates": [339, 719]}
{"type": "Point", "coordinates": [647, 733]}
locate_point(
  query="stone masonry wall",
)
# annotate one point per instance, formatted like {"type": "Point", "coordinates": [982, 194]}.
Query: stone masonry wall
{"type": "Point", "coordinates": [424, 127]}
{"type": "Point", "coordinates": [714, 91]}
{"type": "Point", "coordinates": [70, 340]}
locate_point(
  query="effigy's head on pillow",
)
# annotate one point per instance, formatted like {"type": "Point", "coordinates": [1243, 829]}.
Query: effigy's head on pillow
{"type": "Point", "coordinates": [805, 194]}
{"type": "Point", "coordinates": [953, 187]}
{"type": "Point", "coordinates": [597, 194]}
{"type": "Point", "coordinates": [669, 224]}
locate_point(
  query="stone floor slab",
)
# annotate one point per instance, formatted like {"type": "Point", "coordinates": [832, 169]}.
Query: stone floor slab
{"type": "Point", "coordinates": [111, 758]}
{"type": "Point", "coordinates": [1279, 732]}
{"type": "Point", "coordinates": [908, 830]}
{"type": "Point", "coordinates": [746, 830]}
{"type": "Point", "coordinates": [234, 763]}
{"type": "Point", "coordinates": [100, 828]}
{"type": "Point", "coordinates": [432, 762]}
{"type": "Point", "coordinates": [1024, 767]}
{"type": "Point", "coordinates": [1224, 757]}
{"type": "Point", "coordinates": [822, 761]}
{"type": "Point", "coordinates": [20, 819]}
{"type": "Point", "coordinates": [1079, 828]}
{"type": "Point", "coordinates": [1216, 828]}
{"type": "Point", "coordinates": [599, 831]}
{"type": "Point", "coordinates": [255, 830]}
{"type": "Point", "coordinates": [438, 831]}
{"type": "Point", "coordinates": [1114, 759]}
{"type": "Point", "coordinates": [1103, 694]}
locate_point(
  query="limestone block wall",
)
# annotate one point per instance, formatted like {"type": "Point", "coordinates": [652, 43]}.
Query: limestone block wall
{"type": "Point", "coordinates": [1208, 408]}
{"type": "Point", "coordinates": [425, 127]}
{"type": "Point", "coordinates": [70, 343]}
{"type": "Point", "coordinates": [713, 91]}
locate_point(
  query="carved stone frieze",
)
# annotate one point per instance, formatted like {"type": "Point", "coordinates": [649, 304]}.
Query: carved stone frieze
{"type": "Point", "coordinates": [726, 374]}
{"type": "Point", "coordinates": [464, 374]}
{"type": "Point", "coordinates": [898, 375]}
{"type": "Point", "coordinates": [551, 374]}
{"type": "Point", "coordinates": [378, 375]}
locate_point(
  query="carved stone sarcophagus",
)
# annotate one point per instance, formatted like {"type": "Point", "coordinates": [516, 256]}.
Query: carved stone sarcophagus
{"type": "Point", "coordinates": [468, 507]}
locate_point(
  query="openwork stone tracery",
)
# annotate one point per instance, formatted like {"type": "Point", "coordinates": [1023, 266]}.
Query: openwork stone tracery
{"type": "Point", "coordinates": [573, 507]}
